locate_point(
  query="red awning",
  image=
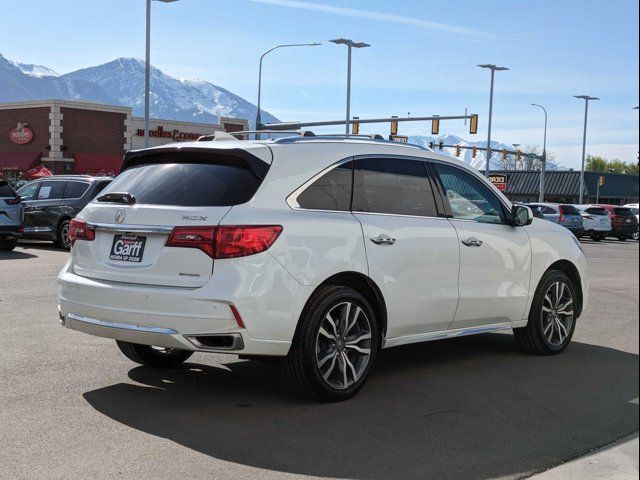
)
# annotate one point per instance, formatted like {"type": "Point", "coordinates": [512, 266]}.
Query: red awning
{"type": "Point", "coordinates": [97, 164]}
{"type": "Point", "coordinates": [20, 161]}
{"type": "Point", "coordinates": [38, 172]}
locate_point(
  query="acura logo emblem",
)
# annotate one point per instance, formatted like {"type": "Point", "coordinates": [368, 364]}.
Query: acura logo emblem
{"type": "Point", "coordinates": [120, 215]}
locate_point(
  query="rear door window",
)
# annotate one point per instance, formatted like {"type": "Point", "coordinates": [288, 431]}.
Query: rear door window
{"type": "Point", "coordinates": [569, 210]}
{"type": "Point", "coordinates": [75, 189]}
{"type": "Point", "coordinates": [332, 191]}
{"type": "Point", "coordinates": [51, 190]}
{"type": "Point", "coordinates": [187, 184]}
{"type": "Point", "coordinates": [394, 186]}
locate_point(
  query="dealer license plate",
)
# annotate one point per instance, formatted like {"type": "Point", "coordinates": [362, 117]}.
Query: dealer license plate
{"type": "Point", "coordinates": [127, 248]}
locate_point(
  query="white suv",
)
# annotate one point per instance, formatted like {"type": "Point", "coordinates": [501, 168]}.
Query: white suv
{"type": "Point", "coordinates": [318, 250]}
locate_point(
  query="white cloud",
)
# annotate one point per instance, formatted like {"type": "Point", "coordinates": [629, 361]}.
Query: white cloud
{"type": "Point", "coordinates": [369, 15]}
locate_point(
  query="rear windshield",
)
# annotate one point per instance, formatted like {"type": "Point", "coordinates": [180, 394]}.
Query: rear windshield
{"type": "Point", "coordinates": [597, 211]}
{"type": "Point", "coordinates": [622, 211]}
{"type": "Point", "coordinates": [187, 184]}
{"type": "Point", "coordinates": [569, 210]}
{"type": "Point", "coordinates": [6, 191]}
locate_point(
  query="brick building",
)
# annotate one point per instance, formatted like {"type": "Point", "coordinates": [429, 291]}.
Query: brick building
{"type": "Point", "coordinates": [83, 137]}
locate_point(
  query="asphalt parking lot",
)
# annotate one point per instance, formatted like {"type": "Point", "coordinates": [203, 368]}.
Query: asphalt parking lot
{"type": "Point", "coordinates": [71, 406]}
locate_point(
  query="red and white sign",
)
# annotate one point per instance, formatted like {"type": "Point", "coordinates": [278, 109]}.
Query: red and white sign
{"type": "Point", "coordinates": [21, 134]}
{"type": "Point", "coordinates": [499, 181]}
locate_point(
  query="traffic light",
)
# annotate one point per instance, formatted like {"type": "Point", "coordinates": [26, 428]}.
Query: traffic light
{"type": "Point", "coordinates": [435, 126]}
{"type": "Point", "coordinates": [431, 144]}
{"type": "Point", "coordinates": [474, 152]}
{"type": "Point", "coordinates": [473, 125]}
{"type": "Point", "coordinates": [355, 126]}
{"type": "Point", "coordinates": [601, 180]}
{"type": "Point", "coordinates": [458, 150]}
{"type": "Point", "coordinates": [440, 144]}
{"type": "Point", "coordinates": [518, 155]}
{"type": "Point", "coordinates": [504, 154]}
{"type": "Point", "coordinates": [394, 126]}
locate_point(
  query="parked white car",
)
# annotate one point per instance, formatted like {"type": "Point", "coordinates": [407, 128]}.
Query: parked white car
{"type": "Point", "coordinates": [596, 221]}
{"type": "Point", "coordinates": [318, 250]}
{"type": "Point", "coordinates": [636, 211]}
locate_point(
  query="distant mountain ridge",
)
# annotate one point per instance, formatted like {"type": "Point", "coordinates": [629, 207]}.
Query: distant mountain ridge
{"type": "Point", "coordinates": [121, 82]}
{"type": "Point", "coordinates": [467, 154]}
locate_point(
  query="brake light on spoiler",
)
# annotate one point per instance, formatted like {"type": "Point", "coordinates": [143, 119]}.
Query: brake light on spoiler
{"type": "Point", "coordinates": [227, 241]}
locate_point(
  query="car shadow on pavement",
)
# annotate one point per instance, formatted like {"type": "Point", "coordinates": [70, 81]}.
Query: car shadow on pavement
{"type": "Point", "coordinates": [16, 255]}
{"type": "Point", "coordinates": [468, 408]}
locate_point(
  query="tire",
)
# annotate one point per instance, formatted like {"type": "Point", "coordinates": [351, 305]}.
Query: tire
{"type": "Point", "coordinates": [8, 245]}
{"type": "Point", "coordinates": [315, 366]}
{"type": "Point", "coordinates": [62, 237]}
{"type": "Point", "coordinates": [542, 335]}
{"type": "Point", "coordinates": [596, 238]}
{"type": "Point", "coordinates": [636, 235]}
{"type": "Point", "coordinates": [152, 356]}
{"type": "Point", "coordinates": [622, 238]}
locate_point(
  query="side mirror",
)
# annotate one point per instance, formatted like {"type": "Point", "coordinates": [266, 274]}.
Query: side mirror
{"type": "Point", "coordinates": [521, 216]}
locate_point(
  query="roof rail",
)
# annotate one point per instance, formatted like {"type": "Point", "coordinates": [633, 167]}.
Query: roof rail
{"type": "Point", "coordinates": [341, 136]}
{"type": "Point", "coordinates": [302, 133]}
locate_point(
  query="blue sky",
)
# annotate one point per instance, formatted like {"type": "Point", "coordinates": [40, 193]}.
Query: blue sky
{"type": "Point", "coordinates": [422, 60]}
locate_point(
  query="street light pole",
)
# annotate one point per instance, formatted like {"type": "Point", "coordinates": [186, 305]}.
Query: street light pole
{"type": "Point", "coordinates": [493, 69]}
{"type": "Point", "coordinates": [544, 156]}
{"type": "Point", "coordinates": [350, 45]}
{"type": "Point", "coordinates": [586, 99]}
{"type": "Point", "coordinates": [258, 116]}
{"type": "Point", "coordinates": [147, 70]}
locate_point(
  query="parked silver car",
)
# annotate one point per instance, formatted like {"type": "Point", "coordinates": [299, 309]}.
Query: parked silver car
{"type": "Point", "coordinates": [566, 215]}
{"type": "Point", "coordinates": [11, 216]}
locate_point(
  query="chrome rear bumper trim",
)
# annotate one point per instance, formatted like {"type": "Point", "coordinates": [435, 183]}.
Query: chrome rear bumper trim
{"type": "Point", "coordinates": [120, 326]}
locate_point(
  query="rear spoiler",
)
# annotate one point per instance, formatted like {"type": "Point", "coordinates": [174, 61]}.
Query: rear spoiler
{"type": "Point", "coordinates": [233, 157]}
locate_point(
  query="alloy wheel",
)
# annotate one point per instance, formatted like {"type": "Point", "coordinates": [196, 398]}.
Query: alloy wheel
{"type": "Point", "coordinates": [64, 235]}
{"type": "Point", "coordinates": [557, 314]}
{"type": "Point", "coordinates": [343, 345]}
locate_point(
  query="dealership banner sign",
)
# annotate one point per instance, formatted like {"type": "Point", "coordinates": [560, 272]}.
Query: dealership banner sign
{"type": "Point", "coordinates": [175, 134]}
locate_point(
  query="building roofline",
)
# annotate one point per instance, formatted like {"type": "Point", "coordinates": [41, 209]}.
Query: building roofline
{"type": "Point", "coordinates": [78, 104]}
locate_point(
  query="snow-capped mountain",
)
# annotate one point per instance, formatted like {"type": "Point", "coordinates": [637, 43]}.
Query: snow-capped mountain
{"type": "Point", "coordinates": [466, 155]}
{"type": "Point", "coordinates": [121, 82]}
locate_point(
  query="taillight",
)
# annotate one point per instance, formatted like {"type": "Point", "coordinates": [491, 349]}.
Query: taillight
{"type": "Point", "coordinates": [13, 201]}
{"type": "Point", "coordinates": [562, 218]}
{"type": "Point", "coordinates": [80, 231]}
{"type": "Point", "coordinates": [227, 241]}
{"type": "Point", "coordinates": [193, 237]}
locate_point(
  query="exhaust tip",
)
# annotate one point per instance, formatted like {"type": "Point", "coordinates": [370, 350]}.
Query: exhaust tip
{"type": "Point", "coordinates": [221, 341]}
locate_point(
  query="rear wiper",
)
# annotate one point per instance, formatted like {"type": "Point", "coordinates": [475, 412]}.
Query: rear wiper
{"type": "Point", "coordinates": [118, 197]}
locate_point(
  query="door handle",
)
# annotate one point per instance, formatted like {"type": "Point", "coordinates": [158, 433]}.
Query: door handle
{"type": "Point", "coordinates": [472, 242]}
{"type": "Point", "coordinates": [383, 239]}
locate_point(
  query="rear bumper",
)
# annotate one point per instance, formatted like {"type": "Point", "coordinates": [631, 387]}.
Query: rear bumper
{"type": "Point", "coordinates": [178, 317]}
{"type": "Point", "coordinates": [624, 230]}
{"type": "Point", "coordinates": [10, 232]}
{"type": "Point", "coordinates": [235, 342]}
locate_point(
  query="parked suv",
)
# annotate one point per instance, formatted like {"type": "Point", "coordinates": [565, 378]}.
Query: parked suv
{"type": "Point", "coordinates": [566, 215]}
{"type": "Point", "coordinates": [51, 202]}
{"type": "Point", "coordinates": [623, 222]}
{"type": "Point", "coordinates": [635, 210]}
{"type": "Point", "coordinates": [597, 221]}
{"type": "Point", "coordinates": [11, 213]}
{"type": "Point", "coordinates": [317, 250]}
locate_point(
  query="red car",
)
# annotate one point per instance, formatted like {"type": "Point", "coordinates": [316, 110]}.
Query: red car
{"type": "Point", "coordinates": [624, 223]}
